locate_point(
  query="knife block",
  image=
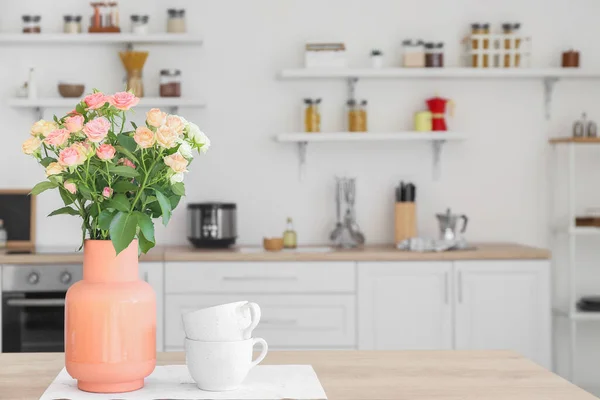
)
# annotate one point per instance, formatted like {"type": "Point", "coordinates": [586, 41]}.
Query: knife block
{"type": "Point", "coordinates": [405, 221]}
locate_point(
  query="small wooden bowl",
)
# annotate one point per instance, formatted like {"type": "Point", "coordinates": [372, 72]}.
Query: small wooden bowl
{"type": "Point", "coordinates": [273, 244]}
{"type": "Point", "coordinates": [70, 90]}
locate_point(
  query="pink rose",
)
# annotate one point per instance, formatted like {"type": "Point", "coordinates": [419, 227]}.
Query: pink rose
{"type": "Point", "coordinates": [107, 192]}
{"type": "Point", "coordinates": [105, 152]}
{"type": "Point", "coordinates": [70, 186]}
{"type": "Point", "coordinates": [95, 101]}
{"type": "Point", "coordinates": [166, 137]}
{"type": "Point", "coordinates": [177, 163]}
{"type": "Point", "coordinates": [176, 123]}
{"type": "Point", "coordinates": [71, 156]}
{"type": "Point", "coordinates": [96, 129]}
{"type": "Point", "coordinates": [156, 118]}
{"type": "Point", "coordinates": [123, 100]}
{"type": "Point", "coordinates": [57, 137]}
{"type": "Point", "coordinates": [144, 137]}
{"type": "Point", "coordinates": [74, 123]}
{"type": "Point", "coordinates": [126, 162]}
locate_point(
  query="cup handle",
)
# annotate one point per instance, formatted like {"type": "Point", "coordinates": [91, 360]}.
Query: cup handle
{"type": "Point", "coordinates": [263, 353]}
{"type": "Point", "coordinates": [254, 319]}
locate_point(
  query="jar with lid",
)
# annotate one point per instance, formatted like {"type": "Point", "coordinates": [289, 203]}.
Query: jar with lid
{"type": "Point", "coordinates": [485, 28]}
{"type": "Point", "coordinates": [36, 23]}
{"type": "Point", "coordinates": [507, 29]}
{"type": "Point", "coordinates": [176, 21]}
{"type": "Point", "coordinates": [312, 115]}
{"type": "Point", "coordinates": [434, 55]}
{"type": "Point", "coordinates": [139, 24]}
{"type": "Point", "coordinates": [362, 111]}
{"type": "Point", "coordinates": [27, 24]}
{"type": "Point", "coordinates": [429, 54]}
{"type": "Point", "coordinates": [70, 26]}
{"type": "Point", "coordinates": [475, 30]}
{"type": "Point", "coordinates": [413, 54]}
{"type": "Point", "coordinates": [356, 122]}
{"type": "Point", "coordinates": [515, 30]}
{"type": "Point", "coordinates": [77, 19]}
{"type": "Point", "coordinates": [170, 83]}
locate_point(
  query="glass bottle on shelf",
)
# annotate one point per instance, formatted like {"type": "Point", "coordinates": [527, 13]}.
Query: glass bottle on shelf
{"type": "Point", "coordinates": [170, 83]}
{"type": "Point", "coordinates": [485, 28]}
{"type": "Point", "coordinates": [362, 112]}
{"type": "Point", "coordinates": [507, 29]}
{"type": "Point", "coordinates": [290, 239]}
{"type": "Point", "coordinates": [515, 30]}
{"type": "Point", "coordinates": [27, 24]}
{"type": "Point", "coordinates": [353, 116]}
{"type": "Point", "coordinates": [475, 30]}
{"type": "Point", "coordinates": [312, 115]}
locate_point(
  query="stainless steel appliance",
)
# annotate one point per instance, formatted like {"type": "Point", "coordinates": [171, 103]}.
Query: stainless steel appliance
{"type": "Point", "coordinates": [33, 306]}
{"type": "Point", "coordinates": [346, 233]}
{"type": "Point", "coordinates": [448, 228]}
{"type": "Point", "coordinates": [212, 225]}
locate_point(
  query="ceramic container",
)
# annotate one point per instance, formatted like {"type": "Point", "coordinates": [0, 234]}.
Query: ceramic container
{"type": "Point", "coordinates": [221, 366]}
{"type": "Point", "coordinates": [110, 322]}
{"type": "Point", "coordinates": [225, 323]}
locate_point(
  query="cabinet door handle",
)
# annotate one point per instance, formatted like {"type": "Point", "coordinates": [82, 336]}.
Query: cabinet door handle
{"type": "Point", "coordinates": [446, 288]}
{"type": "Point", "coordinates": [259, 278]}
{"type": "Point", "coordinates": [460, 287]}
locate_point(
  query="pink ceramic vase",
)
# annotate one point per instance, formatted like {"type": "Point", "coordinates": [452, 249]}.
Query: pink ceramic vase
{"type": "Point", "coordinates": [110, 322]}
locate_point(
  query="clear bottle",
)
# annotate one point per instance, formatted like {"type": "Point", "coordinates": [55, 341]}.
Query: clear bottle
{"type": "Point", "coordinates": [3, 235]}
{"type": "Point", "coordinates": [312, 115]}
{"type": "Point", "coordinates": [290, 239]}
{"type": "Point", "coordinates": [362, 112]}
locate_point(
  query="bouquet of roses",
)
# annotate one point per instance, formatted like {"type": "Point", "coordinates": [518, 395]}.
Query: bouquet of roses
{"type": "Point", "coordinates": [116, 180]}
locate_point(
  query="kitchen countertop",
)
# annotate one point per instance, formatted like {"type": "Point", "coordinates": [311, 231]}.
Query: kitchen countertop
{"type": "Point", "coordinates": [483, 251]}
{"type": "Point", "coordinates": [354, 375]}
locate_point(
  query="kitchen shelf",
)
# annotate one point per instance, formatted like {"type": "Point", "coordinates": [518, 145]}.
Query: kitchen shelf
{"type": "Point", "coordinates": [40, 104]}
{"type": "Point", "coordinates": [578, 230]}
{"type": "Point", "coordinates": [578, 140]}
{"type": "Point", "coordinates": [99, 38]}
{"type": "Point", "coordinates": [549, 76]}
{"type": "Point", "coordinates": [437, 139]}
{"type": "Point", "coordinates": [578, 315]}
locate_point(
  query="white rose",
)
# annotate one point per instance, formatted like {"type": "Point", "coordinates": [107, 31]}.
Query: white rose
{"type": "Point", "coordinates": [198, 138]}
{"type": "Point", "coordinates": [186, 150]}
{"type": "Point", "coordinates": [176, 178]}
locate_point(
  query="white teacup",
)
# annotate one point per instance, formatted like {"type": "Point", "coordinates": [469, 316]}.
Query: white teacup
{"type": "Point", "coordinates": [221, 366]}
{"type": "Point", "coordinates": [225, 323]}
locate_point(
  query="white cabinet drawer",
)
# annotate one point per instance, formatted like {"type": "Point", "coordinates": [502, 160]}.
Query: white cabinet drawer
{"type": "Point", "coordinates": [288, 321]}
{"type": "Point", "coordinates": [260, 277]}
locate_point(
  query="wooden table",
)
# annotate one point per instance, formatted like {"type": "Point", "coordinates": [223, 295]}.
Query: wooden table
{"type": "Point", "coordinates": [345, 375]}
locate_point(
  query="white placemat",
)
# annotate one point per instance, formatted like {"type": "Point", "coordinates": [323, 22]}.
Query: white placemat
{"type": "Point", "coordinates": [173, 382]}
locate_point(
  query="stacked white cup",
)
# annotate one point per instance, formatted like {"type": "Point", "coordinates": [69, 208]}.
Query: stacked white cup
{"type": "Point", "coordinates": [219, 344]}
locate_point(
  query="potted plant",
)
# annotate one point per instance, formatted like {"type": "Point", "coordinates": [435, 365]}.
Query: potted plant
{"type": "Point", "coordinates": [376, 58]}
{"type": "Point", "coordinates": [117, 180]}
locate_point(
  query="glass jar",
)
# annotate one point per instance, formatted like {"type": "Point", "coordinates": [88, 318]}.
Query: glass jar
{"type": "Point", "coordinates": [176, 21]}
{"type": "Point", "coordinates": [36, 23]}
{"type": "Point", "coordinates": [485, 28]}
{"type": "Point", "coordinates": [139, 24]}
{"type": "Point", "coordinates": [515, 30]}
{"type": "Point", "coordinates": [70, 26]}
{"type": "Point", "coordinates": [475, 30]}
{"type": "Point", "coordinates": [507, 29]}
{"type": "Point", "coordinates": [27, 24]}
{"type": "Point", "coordinates": [434, 55]}
{"type": "Point", "coordinates": [170, 83]}
{"type": "Point", "coordinates": [312, 115]}
{"type": "Point", "coordinates": [77, 19]}
{"type": "Point", "coordinates": [362, 112]}
{"type": "Point", "coordinates": [413, 54]}
{"type": "Point", "coordinates": [354, 116]}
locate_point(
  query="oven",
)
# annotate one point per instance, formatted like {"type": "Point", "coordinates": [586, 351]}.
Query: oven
{"type": "Point", "coordinates": [33, 306]}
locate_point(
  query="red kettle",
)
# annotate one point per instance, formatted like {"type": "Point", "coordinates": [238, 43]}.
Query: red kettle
{"type": "Point", "coordinates": [437, 106]}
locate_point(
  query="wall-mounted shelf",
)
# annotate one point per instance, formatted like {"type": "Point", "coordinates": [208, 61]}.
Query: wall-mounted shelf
{"type": "Point", "coordinates": [578, 140]}
{"type": "Point", "coordinates": [549, 76]}
{"type": "Point", "coordinates": [437, 139]}
{"type": "Point", "coordinates": [40, 104]}
{"type": "Point", "coordinates": [99, 38]}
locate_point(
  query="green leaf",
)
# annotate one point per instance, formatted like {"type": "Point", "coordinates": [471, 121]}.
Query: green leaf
{"type": "Point", "coordinates": [80, 108]}
{"type": "Point", "coordinates": [165, 206]}
{"type": "Point", "coordinates": [94, 210]}
{"type": "Point", "coordinates": [64, 210]}
{"type": "Point", "coordinates": [123, 170]}
{"type": "Point", "coordinates": [155, 208]}
{"type": "Point", "coordinates": [105, 218]}
{"type": "Point", "coordinates": [125, 186]}
{"type": "Point", "coordinates": [178, 189]}
{"type": "Point", "coordinates": [134, 125]}
{"type": "Point", "coordinates": [128, 153]}
{"type": "Point", "coordinates": [66, 196]}
{"type": "Point", "coordinates": [46, 161]}
{"type": "Point", "coordinates": [144, 244]}
{"type": "Point", "coordinates": [85, 191]}
{"type": "Point", "coordinates": [146, 225]}
{"type": "Point", "coordinates": [42, 187]}
{"type": "Point", "coordinates": [119, 202]}
{"type": "Point", "coordinates": [122, 230]}
{"type": "Point", "coordinates": [174, 200]}
{"type": "Point", "coordinates": [127, 142]}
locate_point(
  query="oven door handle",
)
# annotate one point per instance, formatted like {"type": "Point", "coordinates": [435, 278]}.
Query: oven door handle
{"type": "Point", "coordinates": [35, 302]}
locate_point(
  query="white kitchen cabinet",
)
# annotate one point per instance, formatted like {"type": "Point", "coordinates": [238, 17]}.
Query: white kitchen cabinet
{"type": "Point", "coordinates": [404, 305]}
{"type": "Point", "coordinates": [287, 321]}
{"type": "Point", "coordinates": [153, 273]}
{"type": "Point", "coordinates": [504, 305]}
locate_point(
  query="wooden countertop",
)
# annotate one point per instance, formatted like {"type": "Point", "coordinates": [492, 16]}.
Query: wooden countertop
{"type": "Point", "coordinates": [483, 251]}
{"type": "Point", "coordinates": [359, 375]}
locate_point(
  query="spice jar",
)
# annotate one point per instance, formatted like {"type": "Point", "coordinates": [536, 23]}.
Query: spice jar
{"type": "Point", "coordinates": [413, 54]}
{"type": "Point", "coordinates": [429, 54]}
{"type": "Point", "coordinates": [77, 19]}
{"type": "Point", "coordinates": [312, 115]}
{"type": "Point", "coordinates": [434, 55]}
{"type": "Point", "coordinates": [570, 59]}
{"type": "Point", "coordinates": [475, 30]}
{"type": "Point", "coordinates": [27, 25]}
{"type": "Point", "coordinates": [515, 31]}
{"type": "Point", "coordinates": [362, 112]}
{"type": "Point", "coordinates": [139, 24]}
{"type": "Point", "coordinates": [485, 30]}
{"type": "Point", "coordinates": [507, 29]}
{"type": "Point", "coordinates": [70, 26]}
{"type": "Point", "coordinates": [176, 21]}
{"type": "Point", "coordinates": [170, 83]}
{"type": "Point", "coordinates": [357, 116]}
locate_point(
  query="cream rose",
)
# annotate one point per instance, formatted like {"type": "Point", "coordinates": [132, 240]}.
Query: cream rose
{"type": "Point", "coordinates": [156, 118]}
{"type": "Point", "coordinates": [177, 163]}
{"type": "Point", "coordinates": [176, 123]}
{"type": "Point", "coordinates": [43, 127]}
{"type": "Point", "coordinates": [31, 145]}
{"type": "Point", "coordinates": [74, 123]}
{"type": "Point", "coordinates": [144, 137]}
{"type": "Point", "coordinates": [54, 168]}
{"type": "Point", "coordinates": [71, 187]}
{"type": "Point", "coordinates": [166, 137]}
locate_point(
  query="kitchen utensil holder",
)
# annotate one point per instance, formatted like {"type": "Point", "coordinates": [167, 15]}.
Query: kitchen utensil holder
{"type": "Point", "coordinates": [405, 221]}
